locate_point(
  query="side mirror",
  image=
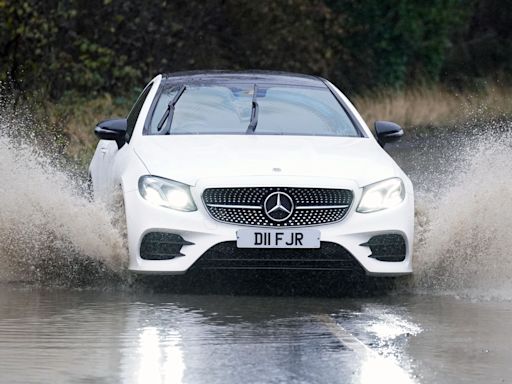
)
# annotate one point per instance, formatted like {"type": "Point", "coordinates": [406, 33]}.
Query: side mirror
{"type": "Point", "coordinates": [387, 132]}
{"type": "Point", "coordinates": [112, 130]}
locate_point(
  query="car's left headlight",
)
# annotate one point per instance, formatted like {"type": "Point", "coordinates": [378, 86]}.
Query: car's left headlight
{"type": "Point", "coordinates": [382, 195]}
{"type": "Point", "coordinates": [166, 193]}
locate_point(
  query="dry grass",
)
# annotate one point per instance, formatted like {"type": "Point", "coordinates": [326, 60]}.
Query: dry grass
{"type": "Point", "coordinates": [435, 107]}
{"type": "Point", "coordinates": [76, 119]}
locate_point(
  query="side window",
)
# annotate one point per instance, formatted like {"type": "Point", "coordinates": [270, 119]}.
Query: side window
{"type": "Point", "coordinates": [134, 113]}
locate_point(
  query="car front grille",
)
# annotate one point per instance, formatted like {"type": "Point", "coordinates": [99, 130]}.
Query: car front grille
{"type": "Point", "coordinates": [251, 205]}
{"type": "Point", "coordinates": [329, 257]}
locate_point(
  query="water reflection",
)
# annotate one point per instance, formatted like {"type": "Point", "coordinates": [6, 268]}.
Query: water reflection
{"type": "Point", "coordinates": [148, 338]}
{"type": "Point", "coordinates": [376, 369]}
{"type": "Point", "coordinates": [159, 358]}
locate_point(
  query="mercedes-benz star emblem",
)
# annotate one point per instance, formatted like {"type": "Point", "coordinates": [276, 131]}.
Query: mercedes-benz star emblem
{"type": "Point", "coordinates": [278, 206]}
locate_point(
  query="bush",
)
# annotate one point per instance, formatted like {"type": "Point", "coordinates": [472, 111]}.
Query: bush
{"type": "Point", "coordinates": [116, 46]}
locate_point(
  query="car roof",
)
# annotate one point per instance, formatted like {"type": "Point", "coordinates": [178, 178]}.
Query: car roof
{"type": "Point", "coordinates": [272, 77]}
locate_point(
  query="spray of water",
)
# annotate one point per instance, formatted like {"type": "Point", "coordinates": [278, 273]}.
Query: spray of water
{"type": "Point", "coordinates": [464, 231]}
{"type": "Point", "coordinates": [50, 232]}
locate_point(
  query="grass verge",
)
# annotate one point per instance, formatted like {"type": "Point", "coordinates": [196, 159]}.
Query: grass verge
{"type": "Point", "coordinates": [76, 118]}
{"type": "Point", "coordinates": [435, 107]}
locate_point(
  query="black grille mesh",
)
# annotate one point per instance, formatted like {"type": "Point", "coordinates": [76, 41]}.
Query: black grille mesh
{"type": "Point", "coordinates": [248, 202]}
{"type": "Point", "coordinates": [330, 257]}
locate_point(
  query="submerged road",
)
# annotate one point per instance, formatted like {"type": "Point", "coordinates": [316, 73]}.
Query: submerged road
{"type": "Point", "coordinates": [62, 336]}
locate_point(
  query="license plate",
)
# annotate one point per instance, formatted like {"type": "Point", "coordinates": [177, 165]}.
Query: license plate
{"type": "Point", "coordinates": [285, 238]}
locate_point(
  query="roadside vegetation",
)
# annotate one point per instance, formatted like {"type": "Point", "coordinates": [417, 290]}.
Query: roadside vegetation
{"type": "Point", "coordinates": [436, 107]}
{"type": "Point", "coordinates": [76, 118]}
{"type": "Point", "coordinates": [421, 64]}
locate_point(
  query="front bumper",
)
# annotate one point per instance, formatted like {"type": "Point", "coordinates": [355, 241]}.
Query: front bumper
{"type": "Point", "coordinates": [204, 232]}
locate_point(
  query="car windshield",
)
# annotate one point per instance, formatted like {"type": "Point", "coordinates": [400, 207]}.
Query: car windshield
{"type": "Point", "coordinates": [227, 108]}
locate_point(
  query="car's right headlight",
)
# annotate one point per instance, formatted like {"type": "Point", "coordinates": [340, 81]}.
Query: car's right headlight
{"type": "Point", "coordinates": [382, 195]}
{"type": "Point", "coordinates": [166, 193]}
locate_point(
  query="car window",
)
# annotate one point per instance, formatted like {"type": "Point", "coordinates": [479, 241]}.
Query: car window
{"type": "Point", "coordinates": [226, 109]}
{"type": "Point", "coordinates": [135, 111]}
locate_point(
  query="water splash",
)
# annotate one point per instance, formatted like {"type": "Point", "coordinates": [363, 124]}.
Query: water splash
{"type": "Point", "coordinates": [464, 231]}
{"type": "Point", "coordinates": [50, 232]}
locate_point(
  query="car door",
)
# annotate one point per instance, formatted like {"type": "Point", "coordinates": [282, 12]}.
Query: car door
{"type": "Point", "coordinates": [101, 170]}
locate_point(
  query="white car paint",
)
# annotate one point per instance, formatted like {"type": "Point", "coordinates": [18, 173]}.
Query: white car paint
{"type": "Point", "coordinates": [204, 161]}
{"type": "Point", "coordinates": [259, 155]}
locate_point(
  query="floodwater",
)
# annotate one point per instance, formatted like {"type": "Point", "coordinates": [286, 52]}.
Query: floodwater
{"type": "Point", "coordinates": [63, 336]}
{"type": "Point", "coordinates": [70, 313]}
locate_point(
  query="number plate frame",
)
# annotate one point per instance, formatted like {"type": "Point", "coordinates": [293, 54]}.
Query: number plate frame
{"type": "Point", "coordinates": [307, 238]}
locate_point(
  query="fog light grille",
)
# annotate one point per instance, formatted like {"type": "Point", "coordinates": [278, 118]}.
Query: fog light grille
{"type": "Point", "coordinates": [162, 246]}
{"type": "Point", "coordinates": [390, 247]}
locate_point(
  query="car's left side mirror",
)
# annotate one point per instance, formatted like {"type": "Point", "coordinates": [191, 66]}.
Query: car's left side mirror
{"type": "Point", "coordinates": [387, 132]}
{"type": "Point", "coordinates": [112, 130]}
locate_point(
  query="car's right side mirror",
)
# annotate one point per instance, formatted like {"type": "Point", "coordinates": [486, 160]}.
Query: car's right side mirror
{"type": "Point", "coordinates": [387, 132]}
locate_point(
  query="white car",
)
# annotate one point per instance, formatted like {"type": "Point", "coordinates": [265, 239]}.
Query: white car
{"type": "Point", "coordinates": [254, 170]}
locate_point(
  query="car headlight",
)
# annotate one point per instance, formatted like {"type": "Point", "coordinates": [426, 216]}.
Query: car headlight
{"type": "Point", "coordinates": [382, 195]}
{"type": "Point", "coordinates": [166, 193]}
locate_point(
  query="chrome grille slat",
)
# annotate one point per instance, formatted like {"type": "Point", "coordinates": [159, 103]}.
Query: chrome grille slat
{"type": "Point", "coordinates": [244, 205]}
{"type": "Point", "coordinates": [233, 206]}
{"type": "Point", "coordinates": [322, 207]}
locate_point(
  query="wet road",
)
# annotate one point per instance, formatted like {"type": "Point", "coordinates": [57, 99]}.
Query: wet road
{"type": "Point", "coordinates": [63, 336]}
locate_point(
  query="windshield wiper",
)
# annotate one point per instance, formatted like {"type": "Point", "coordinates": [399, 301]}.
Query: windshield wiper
{"type": "Point", "coordinates": [169, 113]}
{"type": "Point", "coordinates": [254, 112]}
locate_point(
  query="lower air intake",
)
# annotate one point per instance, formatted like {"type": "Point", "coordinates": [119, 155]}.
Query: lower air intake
{"type": "Point", "coordinates": [330, 257]}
